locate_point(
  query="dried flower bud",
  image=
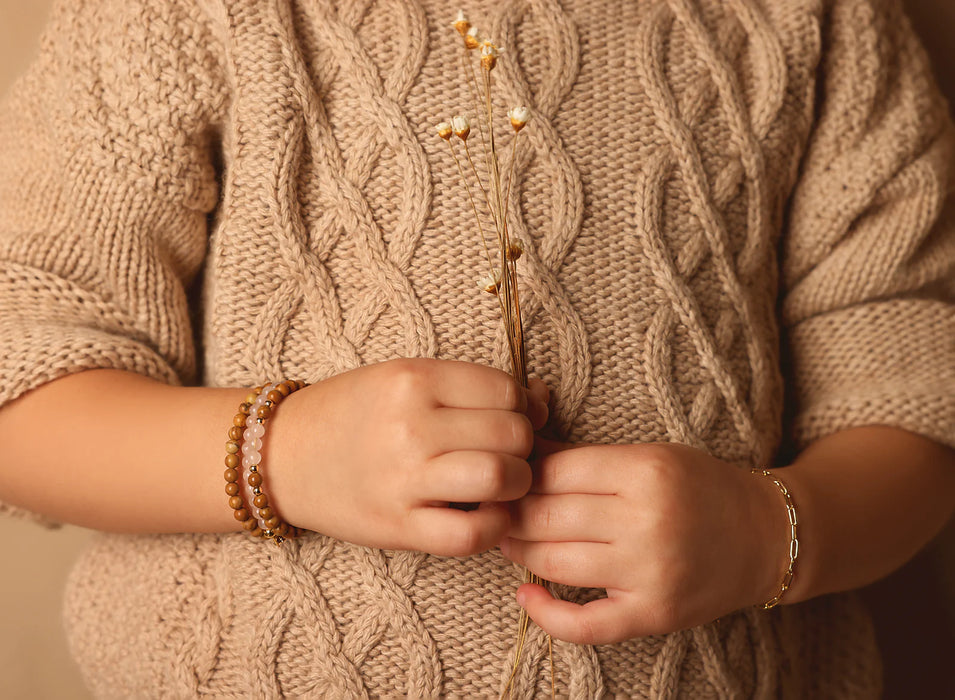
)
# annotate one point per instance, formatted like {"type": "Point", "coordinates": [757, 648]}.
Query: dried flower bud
{"type": "Point", "coordinates": [515, 249]}
{"type": "Point", "coordinates": [471, 39]}
{"type": "Point", "coordinates": [461, 127]}
{"type": "Point", "coordinates": [444, 130]}
{"type": "Point", "coordinates": [461, 23]}
{"type": "Point", "coordinates": [489, 54]}
{"type": "Point", "coordinates": [518, 117]}
{"type": "Point", "coordinates": [491, 283]}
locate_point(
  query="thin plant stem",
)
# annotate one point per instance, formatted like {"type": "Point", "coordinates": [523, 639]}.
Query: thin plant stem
{"type": "Point", "coordinates": [487, 250]}
{"type": "Point", "coordinates": [469, 77]}
{"type": "Point", "coordinates": [487, 197]}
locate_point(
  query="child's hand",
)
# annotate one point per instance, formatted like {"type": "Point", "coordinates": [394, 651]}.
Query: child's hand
{"type": "Point", "coordinates": [677, 537]}
{"type": "Point", "coordinates": [375, 455]}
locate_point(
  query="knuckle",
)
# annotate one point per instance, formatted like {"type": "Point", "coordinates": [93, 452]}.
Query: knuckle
{"type": "Point", "coordinates": [406, 379]}
{"type": "Point", "coordinates": [493, 475]}
{"type": "Point", "coordinates": [409, 441]}
{"type": "Point", "coordinates": [542, 517]}
{"type": "Point", "coordinates": [465, 541]}
{"type": "Point", "coordinates": [513, 397]}
{"type": "Point", "coordinates": [522, 433]}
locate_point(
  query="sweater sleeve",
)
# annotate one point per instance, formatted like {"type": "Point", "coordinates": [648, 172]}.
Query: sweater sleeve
{"type": "Point", "coordinates": [106, 183]}
{"type": "Point", "coordinates": [868, 258]}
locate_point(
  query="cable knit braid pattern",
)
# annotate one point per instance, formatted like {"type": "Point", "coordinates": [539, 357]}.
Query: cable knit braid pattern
{"type": "Point", "coordinates": [227, 190]}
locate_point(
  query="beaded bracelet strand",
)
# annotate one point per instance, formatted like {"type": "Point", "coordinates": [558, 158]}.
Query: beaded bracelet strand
{"type": "Point", "coordinates": [249, 502]}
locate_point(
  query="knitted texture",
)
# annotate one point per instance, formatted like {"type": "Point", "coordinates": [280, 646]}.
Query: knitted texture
{"type": "Point", "coordinates": [228, 190]}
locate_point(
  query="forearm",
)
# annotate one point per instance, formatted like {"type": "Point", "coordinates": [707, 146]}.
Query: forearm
{"type": "Point", "coordinates": [115, 451]}
{"type": "Point", "coordinates": [867, 500]}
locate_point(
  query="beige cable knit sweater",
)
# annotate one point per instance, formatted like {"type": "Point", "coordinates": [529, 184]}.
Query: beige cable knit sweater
{"type": "Point", "coordinates": [227, 190]}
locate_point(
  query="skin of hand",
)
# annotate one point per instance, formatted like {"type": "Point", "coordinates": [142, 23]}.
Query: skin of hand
{"type": "Point", "coordinates": [679, 538]}
{"type": "Point", "coordinates": [374, 456]}
{"type": "Point", "coordinates": [666, 529]}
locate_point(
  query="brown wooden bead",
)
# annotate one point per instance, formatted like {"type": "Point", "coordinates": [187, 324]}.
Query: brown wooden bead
{"type": "Point", "coordinates": [235, 433]}
{"type": "Point", "coordinates": [239, 419]}
{"type": "Point", "coordinates": [265, 513]}
{"type": "Point", "coordinates": [283, 389]}
{"type": "Point", "coordinates": [232, 488]}
{"type": "Point", "coordinates": [252, 396]}
{"type": "Point", "coordinates": [260, 501]}
{"type": "Point", "coordinates": [256, 532]}
{"type": "Point", "coordinates": [236, 502]}
{"type": "Point", "coordinates": [264, 413]}
{"type": "Point", "coordinates": [244, 408]}
{"type": "Point", "coordinates": [231, 475]}
{"type": "Point", "coordinates": [283, 529]}
{"type": "Point", "coordinates": [272, 522]}
{"type": "Point", "coordinates": [274, 396]}
{"type": "Point", "coordinates": [241, 514]}
{"type": "Point", "coordinates": [232, 447]}
{"type": "Point", "coordinates": [232, 461]}
{"type": "Point", "coordinates": [250, 524]}
{"type": "Point", "coordinates": [255, 479]}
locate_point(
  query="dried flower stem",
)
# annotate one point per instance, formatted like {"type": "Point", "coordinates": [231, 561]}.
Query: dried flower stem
{"type": "Point", "coordinates": [502, 280]}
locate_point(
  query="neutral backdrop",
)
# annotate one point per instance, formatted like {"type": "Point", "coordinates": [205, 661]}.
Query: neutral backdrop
{"type": "Point", "coordinates": [915, 608]}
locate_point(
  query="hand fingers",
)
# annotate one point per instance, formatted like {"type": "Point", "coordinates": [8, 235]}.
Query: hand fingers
{"type": "Point", "coordinates": [538, 396]}
{"type": "Point", "coordinates": [581, 564]}
{"type": "Point", "coordinates": [567, 469]}
{"type": "Point", "coordinates": [448, 532]}
{"type": "Point", "coordinates": [468, 385]}
{"type": "Point", "coordinates": [597, 622]}
{"type": "Point", "coordinates": [537, 406]}
{"type": "Point", "coordinates": [538, 389]}
{"type": "Point", "coordinates": [471, 477]}
{"type": "Point", "coordinates": [563, 518]}
{"type": "Point", "coordinates": [457, 429]}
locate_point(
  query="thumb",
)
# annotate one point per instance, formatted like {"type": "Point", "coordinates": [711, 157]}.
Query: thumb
{"type": "Point", "coordinates": [597, 622]}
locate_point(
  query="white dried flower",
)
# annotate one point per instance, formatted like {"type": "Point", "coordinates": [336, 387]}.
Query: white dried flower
{"type": "Point", "coordinates": [461, 23]}
{"type": "Point", "coordinates": [472, 39]}
{"type": "Point", "coordinates": [518, 117]}
{"type": "Point", "coordinates": [491, 282]}
{"type": "Point", "coordinates": [461, 127]}
{"type": "Point", "coordinates": [444, 130]}
{"type": "Point", "coordinates": [489, 54]}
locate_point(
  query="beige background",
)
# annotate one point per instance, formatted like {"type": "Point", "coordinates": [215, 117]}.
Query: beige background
{"type": "Point", "coordinates": [915, 608]}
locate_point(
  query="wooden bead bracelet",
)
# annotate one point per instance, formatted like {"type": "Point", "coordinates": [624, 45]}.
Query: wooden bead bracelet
{"type": "Point", "coordinates": [248, 501]}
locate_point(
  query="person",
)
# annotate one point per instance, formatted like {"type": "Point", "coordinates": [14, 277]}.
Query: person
{"type": "Point", "coordinates": [738, 255]}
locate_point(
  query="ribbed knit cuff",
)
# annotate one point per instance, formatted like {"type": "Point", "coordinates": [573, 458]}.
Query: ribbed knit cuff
{"type": "Point", "coordinates": [887, 363]}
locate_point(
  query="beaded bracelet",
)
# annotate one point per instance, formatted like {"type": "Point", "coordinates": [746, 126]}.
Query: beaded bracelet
{"type": "Point", "coordinates": [244, 455]}
{"type": "Point", "coordinates": [793, 539]}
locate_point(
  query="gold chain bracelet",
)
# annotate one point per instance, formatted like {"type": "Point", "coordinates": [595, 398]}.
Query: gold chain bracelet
{"type": "Point", "coordinates": [793, 539]}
